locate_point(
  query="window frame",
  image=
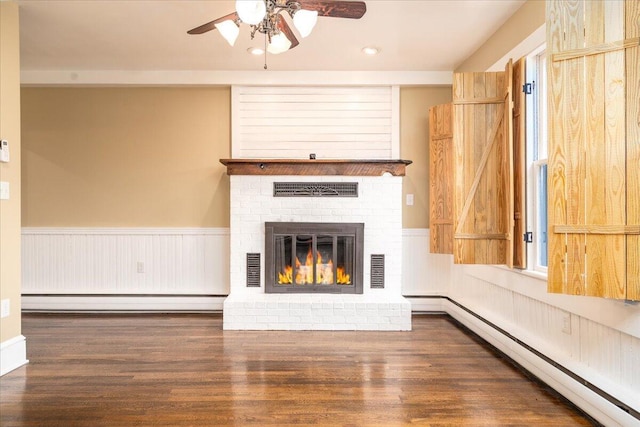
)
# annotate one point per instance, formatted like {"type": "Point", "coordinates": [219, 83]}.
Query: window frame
{"type": "Point", "coordinates": [536, 131]}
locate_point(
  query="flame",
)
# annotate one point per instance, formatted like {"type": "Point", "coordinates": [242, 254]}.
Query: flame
{"type": "Point", "coordinates": [287, 277]}
{"type": "Point", "coordinates": [343, 278]}
{"type": "Point", "coordinates": [304, 272]}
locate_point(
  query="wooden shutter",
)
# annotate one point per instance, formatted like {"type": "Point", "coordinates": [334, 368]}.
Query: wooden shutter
{"type": "Point", "coordinates": [594, 148]}
{"type": "Point", "coordinates": [441, 179]}
{"type": "Point", "coordinates": [483, 167]}
{"type": "Point", "coordinates": [519, 164]}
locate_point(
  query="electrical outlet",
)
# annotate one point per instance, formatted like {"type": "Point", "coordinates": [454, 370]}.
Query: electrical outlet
{"type": "Point", "coordinates": [140, 267]}
{"type": "Point", "coordinates": [566, 323]}
{"type": "Point", "coordinates": [5, 308]}
{"type": "Point", "coordinates": [409, 199]}
{"type": "Point", "coordinates": [4, 190]}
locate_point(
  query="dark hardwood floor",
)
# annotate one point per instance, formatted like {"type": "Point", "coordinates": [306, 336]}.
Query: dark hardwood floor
{"type": "Point", "coordinates": [179, 370]}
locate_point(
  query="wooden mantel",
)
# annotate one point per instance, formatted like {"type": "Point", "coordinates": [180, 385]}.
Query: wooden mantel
{"type": "Point", "coordinates": [315, 167]}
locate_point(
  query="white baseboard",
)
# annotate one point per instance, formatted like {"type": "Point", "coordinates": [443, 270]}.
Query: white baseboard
{"type": "Point", "coordinates": [425, 304]}
{"type": "Point", "coordinates": [103, 303]}
{"type": "Point", "coordinates": [13, 354]}
{"type": "Point", "coordinates": [77, 303]}
{"type": "Point", "coordinates": [587, 400]}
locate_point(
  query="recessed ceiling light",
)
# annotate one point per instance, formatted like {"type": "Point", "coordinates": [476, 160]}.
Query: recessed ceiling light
{"type": "Point", "coordinates": [255, 51]}
{"type": "Point", "coordinates": [370, 50]}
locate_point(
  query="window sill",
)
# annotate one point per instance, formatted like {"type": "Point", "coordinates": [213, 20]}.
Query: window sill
{"type": "Point", "coordinates": [530, 273]}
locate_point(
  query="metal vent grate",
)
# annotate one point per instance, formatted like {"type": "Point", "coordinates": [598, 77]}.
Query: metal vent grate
{"type": "Point", "coordinates": [253, 270]}
{"type": "Point", "coordinates": [377, 271]}
{"type": "Point", "coordinates": [315, 189]}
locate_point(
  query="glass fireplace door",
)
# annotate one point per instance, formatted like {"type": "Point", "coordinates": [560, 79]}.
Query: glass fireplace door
{"type": "Point", "coordinates": [314, 262]}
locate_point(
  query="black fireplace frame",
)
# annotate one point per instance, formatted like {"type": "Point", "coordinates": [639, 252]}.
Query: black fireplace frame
{"type": "Point", "coordinates": [354, 229]}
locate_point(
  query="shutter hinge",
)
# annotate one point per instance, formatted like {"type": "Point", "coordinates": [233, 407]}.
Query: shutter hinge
{"type": "Point", "coordinates": [527, 88]}
{"type": "Point", "coordinates": [528, 237]}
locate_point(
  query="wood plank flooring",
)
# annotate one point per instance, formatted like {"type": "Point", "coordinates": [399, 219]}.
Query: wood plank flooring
{"type": "Point", "coordinates": [184, 370]}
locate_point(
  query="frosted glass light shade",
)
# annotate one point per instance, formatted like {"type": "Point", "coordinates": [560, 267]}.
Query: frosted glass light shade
{"type": "Point", "coordinates": [305, 20]}
{"type": "Point", "coordinates": [279, 43]}
{"type": "Point", "coordinates": [255, 51]}
{"type": "Point", "coordinates": [229, 31]}
{"type": "Point", "coordinates": [251, 11]}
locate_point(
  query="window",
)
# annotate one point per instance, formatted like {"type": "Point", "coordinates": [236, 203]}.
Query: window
{"type": "Point", "coordinates": [537, 160]}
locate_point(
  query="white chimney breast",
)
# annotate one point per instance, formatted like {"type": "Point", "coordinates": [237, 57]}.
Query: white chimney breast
{"type": "Point", "coordinates": [378, 206]}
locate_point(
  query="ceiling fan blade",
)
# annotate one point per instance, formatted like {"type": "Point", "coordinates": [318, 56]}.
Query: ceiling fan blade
{"type": "Point", "coordinates": [336, 9]}
{"type": "Point", "coordinates": [212, 25]}
{"type": "Point", "coordinates": [286, 30]}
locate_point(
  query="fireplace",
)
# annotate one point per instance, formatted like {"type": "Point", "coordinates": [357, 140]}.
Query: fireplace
{"type": "Point", "coordinates": [309, 257]}
{"type": "Point", "coordinates": [359, 232]}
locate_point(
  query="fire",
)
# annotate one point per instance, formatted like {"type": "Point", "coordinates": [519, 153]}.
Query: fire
{"type": "Point", "coordinates": [343, 278]}
{"type": "Point", "coordinates": [287, 277]}
{"type": "Point", "coordinates": [304, 272]}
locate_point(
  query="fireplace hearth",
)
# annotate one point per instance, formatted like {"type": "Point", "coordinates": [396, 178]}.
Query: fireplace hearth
{"type": "Point", "coordinates": [309, 257]}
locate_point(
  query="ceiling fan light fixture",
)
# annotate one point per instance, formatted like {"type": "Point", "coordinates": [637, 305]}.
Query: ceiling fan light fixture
{"type": "Point", "coordinates": [229, 30]}
{"type": "Point", "coordinates": [267, 17]}
{"type": "Point", "coordinates": [251, 12]}
{"type": "Point", "coordinates": [279, 43]}
{"type": "Point", "coordinates": [304, 21]}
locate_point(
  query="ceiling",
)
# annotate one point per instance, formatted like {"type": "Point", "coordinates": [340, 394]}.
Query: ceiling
{"type": "Point", "coordinates": [76, 35]}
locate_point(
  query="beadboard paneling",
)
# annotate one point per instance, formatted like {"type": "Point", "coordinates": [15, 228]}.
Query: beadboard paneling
{"type": "Point", "coordinates": [91, 261]}
{"type": "Point", "coordinates": [547, 321]}
{"type": "Point", "coordinates": [423, 273]}
{"type": "Point", "coordinates": [332, 122]}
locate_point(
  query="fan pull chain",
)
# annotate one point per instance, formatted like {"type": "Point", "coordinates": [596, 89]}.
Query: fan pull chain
{"type": "Point", "coordinates": [265, 51]}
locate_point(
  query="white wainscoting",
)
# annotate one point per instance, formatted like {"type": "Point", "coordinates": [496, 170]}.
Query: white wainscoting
{"type": "Point", "coordinates": [127, 265]}
{"type": "Point", "coordinates": [348, 122]}
{"type": "Point", "coordinates": [423, 274]}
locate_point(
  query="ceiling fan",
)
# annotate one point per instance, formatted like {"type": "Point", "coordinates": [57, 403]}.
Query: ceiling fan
{"type": "Point", "coordinates": [266, 17]}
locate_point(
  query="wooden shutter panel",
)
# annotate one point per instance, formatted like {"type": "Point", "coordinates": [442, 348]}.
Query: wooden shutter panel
{"type": "Point", "coordinates": [519, 164]}
{"type": "Point", "coordinates": [483, 167]}
{"type": "Point", "coordinates": [441, 179]}
{"type": "Point", "coordinates": [632, 58]}
{"type": "Point", "coordinates": [594, 153]}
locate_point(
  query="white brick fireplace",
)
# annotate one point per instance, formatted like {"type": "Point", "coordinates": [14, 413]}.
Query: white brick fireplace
{"type": "Point", "coordinates": [378, 205]}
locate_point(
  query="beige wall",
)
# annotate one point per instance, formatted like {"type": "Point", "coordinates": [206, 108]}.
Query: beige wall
{"type": "Point", "coordinates": [148, 157]}
{"type": "Point", "coordinates": [10, 172]}
{"type": "Point", "coordinates": [414, 145]}
{"type": "Point", "coordinates": [416, 101]}
{"type": "Point", "coordinates": [525, 21]}
{"type": "Point", "coordinates": [125, 157]}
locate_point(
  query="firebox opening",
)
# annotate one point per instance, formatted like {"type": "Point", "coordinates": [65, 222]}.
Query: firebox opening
{"type": "Point", "coordinates": [313, 257]}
